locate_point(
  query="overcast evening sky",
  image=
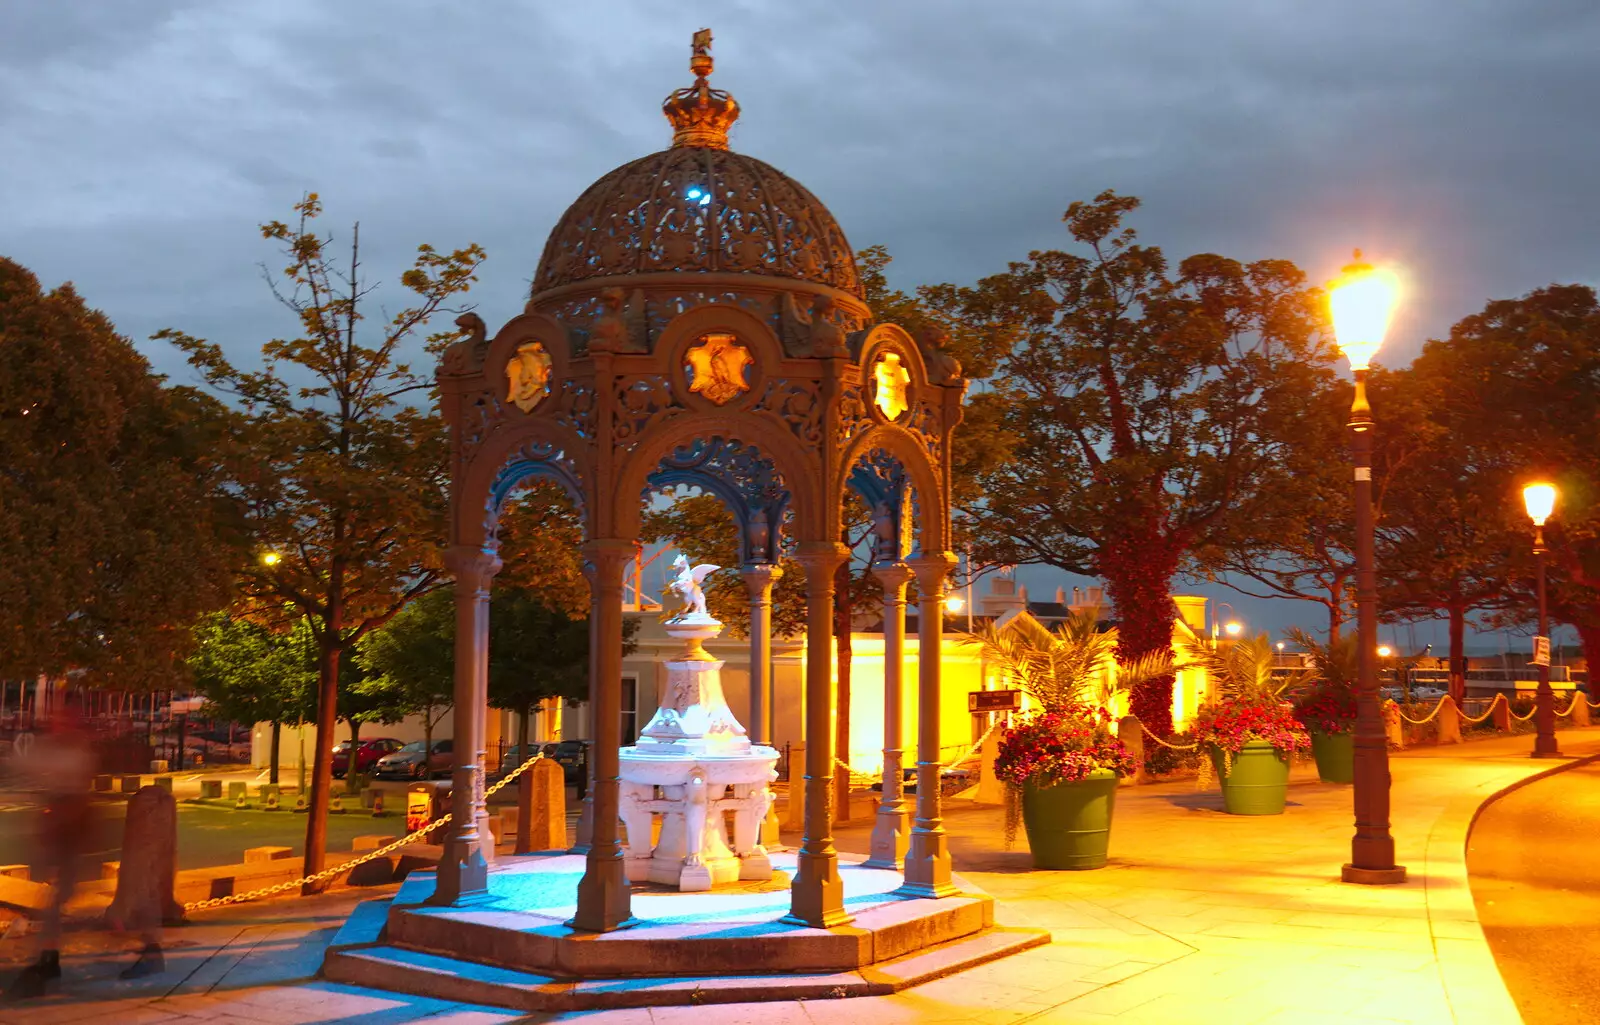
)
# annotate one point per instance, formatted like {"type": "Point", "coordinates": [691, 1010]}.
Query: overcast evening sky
{"type": "Point", "coordinates": [142, 141]}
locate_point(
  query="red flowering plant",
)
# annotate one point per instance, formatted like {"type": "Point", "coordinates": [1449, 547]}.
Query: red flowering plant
{"type": "Point", "coordinates": [1327, 710]}
{"type": "Point", "coordinates": [1061, 744]}
{"type": "Point", "coordinates": [1326, 702]}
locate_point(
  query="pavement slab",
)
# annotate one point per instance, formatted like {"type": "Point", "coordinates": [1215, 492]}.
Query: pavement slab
{"type": "Point", "coordinates": [1200, 917]}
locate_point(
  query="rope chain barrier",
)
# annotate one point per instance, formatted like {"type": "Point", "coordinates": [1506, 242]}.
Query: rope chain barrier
{"type": "Point", "coordinates": [966, 755]}
{"type": "Point", "coordinates": [1163, 743]}
{"type": "Point", "coordinates": [338, 870]}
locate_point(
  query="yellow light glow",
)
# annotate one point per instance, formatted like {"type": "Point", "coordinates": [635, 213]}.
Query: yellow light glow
{"type": "Point", "coordinates": [1233, 627]}
{"type": "Point", "coordinates": [1384, 651]}
{"type": "Point", "coordinates": [1280, 647]}
{"type": "Point", "coordinates": [1540, 500]}
{"type": "Point", "coordinates": [270, 558]}
{"type": "Point", "coordinates": [953, 603]}
{"type": "Point", "coordinates": [1362, 301]}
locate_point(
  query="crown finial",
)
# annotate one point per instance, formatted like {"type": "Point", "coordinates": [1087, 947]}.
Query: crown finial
{"type": "Point", "coordinates": [700, 115]}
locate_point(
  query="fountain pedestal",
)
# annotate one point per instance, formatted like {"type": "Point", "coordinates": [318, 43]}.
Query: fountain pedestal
{"type": "Point", "coordinates": [693, 767]}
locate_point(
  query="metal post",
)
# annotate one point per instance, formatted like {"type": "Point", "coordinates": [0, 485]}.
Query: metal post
{"type": "Point", "coordinates": [1372, 849]}
{"type": "Point", "coordinates": [1544, 743]}
{"type": "Point", "coordinates": [928, 857]}
{"type": "Point", "coordinates": [891, 826]}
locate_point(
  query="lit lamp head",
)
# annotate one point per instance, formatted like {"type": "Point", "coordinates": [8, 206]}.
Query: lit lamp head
{"type": "Point", "coordinates": [270, 558]}
{"type": "Point", "coordinates": [1362, 301]}
{"type": "Point", "coordinates": [1384, 651]}
{"type": "Point", "coordinates": [1540, 500]}
{"type": "Point", "coordinates": [1233, 627]}
{"type": "Point", "coordinates": [954, 604]}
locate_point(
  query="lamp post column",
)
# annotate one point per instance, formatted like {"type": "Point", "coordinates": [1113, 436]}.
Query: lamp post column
{"type": "Point", "coordinates": [891, 826]}
{"type": "Point", "coordinates": [1372, 849]}
{"type": "Point", "coordinates": [1544, 716]}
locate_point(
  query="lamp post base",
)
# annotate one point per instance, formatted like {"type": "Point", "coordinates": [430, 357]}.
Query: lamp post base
{"type": "Point", "coordinates": [1373, 876]}
{"type": "Point", "coordinates": [1547, 754]}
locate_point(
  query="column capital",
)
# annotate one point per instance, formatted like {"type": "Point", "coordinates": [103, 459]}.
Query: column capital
{"type": "Point", "coordinates": [931, 569]}
{"type": "Point", "coordinates": [894, 576]}
{"type": "Point", "coordinates": [759, 576]}
{"type": "Point", "coordinates": [471, 564]}
{"type": "Point", "coordinates": [609, 553]}
{"type": "Point", "coordinates": [821, 557]}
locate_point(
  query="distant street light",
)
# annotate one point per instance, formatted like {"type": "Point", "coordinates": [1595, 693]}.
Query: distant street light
{"type": "Point", "coordinates": [1384, 651]}
{"type": "Point", "coordinates": [1233, 627]}
{"type": "Point", "coordinates": [1280, 647]}
{"type": "Point", "coordinates": [270, 558]}
{"type": "Point", "coordinates": [1216, 614]}
{"type": "Point", "coordinates": [1540, 500]}
{"type": "Point", "coordinates": [954, 604]}
{"type": "Point", "coordinates": [1362, 302]}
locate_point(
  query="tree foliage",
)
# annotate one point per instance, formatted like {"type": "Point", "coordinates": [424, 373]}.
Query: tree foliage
{"type": "Point", "coordinates": [115, 532]}
{"type": "Point", "coordinates": [249, 673]}
{"type": "Point", "coordinates": [1148, 409]}
{"type": "Point", "coordinates": [341, 457]}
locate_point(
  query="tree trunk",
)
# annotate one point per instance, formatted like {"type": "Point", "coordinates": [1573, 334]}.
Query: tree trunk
{"type": "Point", "coordinates": [350, 763]}
{"type": "Point", "coordinates": [427, 733]}
{"type": "Point", "coordinates": [322, 758]}
{"type": "Point", "coordinates": [1335, 620]}
{"type": "Point", "coordinates": [1138, 570]}
{"type": "Point", "coordinates": [842, 617]}
{"type": "Point", "coordinates": [277, 747]}
{"type": "Point", "coordinates": [1458, 655]}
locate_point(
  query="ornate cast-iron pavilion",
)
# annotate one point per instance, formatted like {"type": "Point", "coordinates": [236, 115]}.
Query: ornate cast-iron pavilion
{"type": "Point", "coordinates": [697, 319]}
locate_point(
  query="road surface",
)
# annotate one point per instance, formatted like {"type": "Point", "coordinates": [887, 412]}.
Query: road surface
{"type": "Point", "coordinates": [1534, 862]}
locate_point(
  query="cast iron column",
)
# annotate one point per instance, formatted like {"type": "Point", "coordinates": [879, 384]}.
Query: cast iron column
{"type": "Point", "coordinates": [463, 870]}
{"type": "Point", "coordinates": [928, 859]}
{"type": "Point", "coordinates": [1544, 716]}
{"type": "Point", "coordinates": [1372, 849]}
{"type": "Point", "coordinates": [759, 578]}
{"type": "Point", "coordinates": [891, 827]}
{"type": "Point", "coordinates": [603, 895]}
{"type": "Point", "coordinates": [816, 897]}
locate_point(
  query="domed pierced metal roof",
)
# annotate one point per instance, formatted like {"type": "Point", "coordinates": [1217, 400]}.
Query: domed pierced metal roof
{"type": "Point", "coordinates": [698, 207]}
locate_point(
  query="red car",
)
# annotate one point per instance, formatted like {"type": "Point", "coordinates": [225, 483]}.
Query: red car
{"type": "Point", "coordinates": [371, 751]}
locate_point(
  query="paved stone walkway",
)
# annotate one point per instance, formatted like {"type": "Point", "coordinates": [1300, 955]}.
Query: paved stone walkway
{"type": "Point", "coordinates": [1202, 917]}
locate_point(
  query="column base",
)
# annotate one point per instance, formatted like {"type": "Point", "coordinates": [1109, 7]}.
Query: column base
{"type": "Point", "coordinates": [603, 896]}
{"type": "Point", "coordinates": [816, 897]}
{"type": "Point", "coordinates": [1373, 876]}
{"type": "Point", "coordinates": [928, 864]}
{"type": "Point", "coordinates": [891, 837]}
{"type": "Point", "coordinates": [1554, 753]}
{"type": "Point", "coordinates": [463, 874]}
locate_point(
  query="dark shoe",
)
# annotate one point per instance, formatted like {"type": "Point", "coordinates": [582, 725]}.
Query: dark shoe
{"type": "Point", "coordinates": [34, 981]}
{"type": "Point", "coordinates": [150, 962]}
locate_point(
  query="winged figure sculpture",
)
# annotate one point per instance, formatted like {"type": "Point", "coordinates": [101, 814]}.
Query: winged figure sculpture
{"type": "Point", "coordinates": [686, 587]}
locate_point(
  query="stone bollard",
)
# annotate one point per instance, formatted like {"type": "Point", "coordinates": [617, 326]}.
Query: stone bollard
{"type": "Point", "coordinates": [1501, 713]}
{"type": "Point", "coordinates": [266, 855]}
{"type": "Point", "coordinates": [270, 792]}
{"type": "Point", "coordinates": [210, 789]}
{"type": "Point", "coordinates": [237, 790]}
{"type": "Point", "coordinates": [1132, 736]}
{"type": "Point", "coordinates": [129, 784]}
{"type": "Point", "coordinates": [1449, 721]}
{"type": "Point", "coordinates": [164, 782]}
{"type": "Point", "coordinates": [158, 765]}
{"type": "Point", "coordinates": [990, 789]}
{"type": "Point", "coordinates": [545, 825]}
{"type": "Point", "coordinates": [794, 816]}
{"type": "Point", "coordinates": [144, 897]}
{"type": "Point", "coordinates": [102, 784]}
{"type": "Point", "coordinates": [1393, 726]}
{"type": "Point", "coordinates": [1580, 710]}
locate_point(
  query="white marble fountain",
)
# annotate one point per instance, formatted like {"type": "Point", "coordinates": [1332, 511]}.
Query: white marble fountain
{"type": "Point", "coordinates": [694, 765]}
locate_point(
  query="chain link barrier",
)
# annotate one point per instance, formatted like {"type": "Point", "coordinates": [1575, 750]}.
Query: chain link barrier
{"type": "Point", "coordinates": [332, 873]}
{"type": "Point", "coordinates": [1163, 743]}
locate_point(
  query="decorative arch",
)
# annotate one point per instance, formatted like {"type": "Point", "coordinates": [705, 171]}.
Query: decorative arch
{"type": "Point", "coordinates": [533, 448]}
{"type": "Point", "coordinates": [905, 454]}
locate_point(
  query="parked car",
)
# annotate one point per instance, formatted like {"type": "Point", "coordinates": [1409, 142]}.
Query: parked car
{"type": "Point", "coordinates": [371, 751]}
{"type": "Point", "coordinates": [573, 757]}
{"type": "Point", "coordinates": [415, 761]}
{"type": "Point", "coordinates": [1417, 693]}
{"type": "Point", "coordinates": [514, 756]}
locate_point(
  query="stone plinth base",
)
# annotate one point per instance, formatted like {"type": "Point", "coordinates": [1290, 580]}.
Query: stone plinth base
{"type": "Point", "coordinates": [512, 950]}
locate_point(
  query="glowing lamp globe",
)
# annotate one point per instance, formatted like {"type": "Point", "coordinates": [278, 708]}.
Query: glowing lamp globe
{"type": "Point", "coordinates": [1384, 651]}
{"type": "Point", "coordinates": [954, 603]}
{"type": "Point", "coordinates": [1233, 627]}
{"type": "Point", "coordinates": [1362, 302]}
{"type": "Point", "coordinates": [270, 558]}
{"type": "Point", "coordinates": [1540, 500]}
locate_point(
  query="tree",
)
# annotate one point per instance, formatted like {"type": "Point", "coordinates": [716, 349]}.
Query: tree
{"type": "Point", "coordinates": [413, 656]}
{"type": "Point", "coordinates": [342, 475]}
{"type": "Point", "coordinates": [115, 533]}
{"type": "Point", "coordinates": [541, 548]}
{"type": "Point", "coordinates": [537, 653]}
{"type": "Point", "coordinates": [249, 674]}
{"type": "Point", "coordinates": [1147, 412]}
{"type": "Point", "coordinates": [1516, 392]}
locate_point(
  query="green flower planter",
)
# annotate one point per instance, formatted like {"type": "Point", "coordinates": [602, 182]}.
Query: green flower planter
{"type": "Point", "coordinates": [1259, 782]}
{"type": "Point", "coordinates": [1336, 756]}
{"type": "Point", "coordinates": [1069, 824]}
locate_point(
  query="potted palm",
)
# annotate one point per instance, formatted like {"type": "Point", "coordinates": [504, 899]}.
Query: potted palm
{"type": "Point", "coordinates": [1061, 760]}
{"type": "Point", "coordinates": [1326, 705]}
{"type": "Point", "coordinates": [1247, 726]}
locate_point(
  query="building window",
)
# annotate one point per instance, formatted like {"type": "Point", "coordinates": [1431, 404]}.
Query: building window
{"type": "Point", "coordinates": [630, 710]}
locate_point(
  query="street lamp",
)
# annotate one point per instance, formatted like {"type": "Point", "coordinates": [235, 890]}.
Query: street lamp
{"type": "Point", "coordinates": [1362, 301]}
{"type": "Point", "coordinates": [270, 558]}
{"type": "Point", "coordinates": [953, 604]}
{"type": "Point", "coordinates": [1384, 651]}
{"type": "Point", "coordinates": [1233, 628]}
{"type": "Point", "coordinates": [1540, 500]}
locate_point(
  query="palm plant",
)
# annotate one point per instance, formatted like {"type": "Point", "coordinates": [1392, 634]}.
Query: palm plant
{"type": "Point", "coordinates": [1244, 671]}
{"type": "Point", "coordinates": [1335, 665]}
{"type": "Point", "coordinates": [1073, 664]}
